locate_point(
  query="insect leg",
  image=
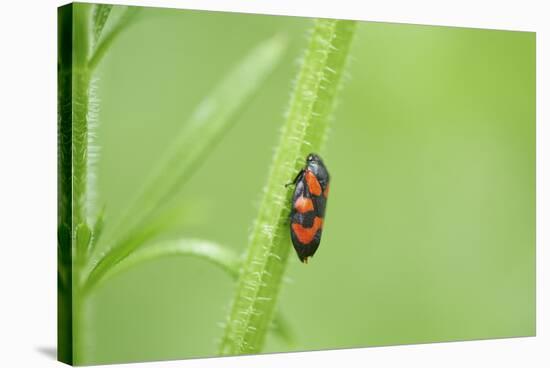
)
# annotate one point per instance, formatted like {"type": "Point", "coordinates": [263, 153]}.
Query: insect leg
{"type": "Point", "coordinates": [296, 179]}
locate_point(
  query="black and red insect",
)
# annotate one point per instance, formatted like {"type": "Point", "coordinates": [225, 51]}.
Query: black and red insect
{"type": "Point", "coordinates": [308, 207]}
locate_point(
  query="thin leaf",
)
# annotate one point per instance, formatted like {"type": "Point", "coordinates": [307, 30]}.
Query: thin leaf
{"type": "Point", "coordinates": [127, 18]}
{"type": "Point", "coordinates": [212, 252]}
{"type": "Point", "coordinates": [207, 124]}
{"type": "Point", "coordinates": [100, 14]}
{"type": "Point", "coordinates": [223, 257]}
{"type": "Point", "coordinates": [168, 219]}
{"type": "Point", "coordinates": [192, 144]}
{"type": "Point", "coordinates": [83, 238]}
{"type": "Point", "coordinates": [81, 37]}
{"type": "Point", "coordinates": [97, 230]}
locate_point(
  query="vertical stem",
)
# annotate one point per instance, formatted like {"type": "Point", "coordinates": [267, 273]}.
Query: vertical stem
{"type": "Point", "coordinates": [64, 175]}
{"type": "Point", "coordinates": [81, 80]}
{"type": "Point", "coordinates": [304, 131]}
{"type": "Point", "coordinates": [75, 114]}
{"type": "Point", "coordinates": [80, 233]}
{"type": "Point", "coordinates": [80, 327]}
{"type": "Point", "coordinates": [73, 84]}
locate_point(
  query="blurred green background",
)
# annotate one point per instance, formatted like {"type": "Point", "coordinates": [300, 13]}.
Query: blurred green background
{"type": "Point", "coordinates": [430, 232]}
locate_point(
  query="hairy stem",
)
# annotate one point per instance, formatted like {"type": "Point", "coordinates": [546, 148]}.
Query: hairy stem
{"type": "Point", "coordinates": [80, 115]}
{"type": "Point", "coordinates": [81, 81]}
{"type": "Point", "coordinates": [81, 231]}
{"type": "Point", "coordinates": [304, 131]}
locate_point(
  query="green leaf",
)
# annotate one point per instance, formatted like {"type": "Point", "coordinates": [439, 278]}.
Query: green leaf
{"type": "Point", "coordinates": [81, 35]}
{"type": "Point", "coordinates": [212, 252]}
{"type": "Point", "coordinates": [83, 237]}
{"type": "Point", "coordinates": [223, 257]}
{"type": "Point", "coordinates": [207, 124]}
{"type": "Point", "coordinates": [216, 113]}
{"type": "Point", "coordinates": [149, 230]}
{"type": "Point", "coordinates": [100, 14]}
{"type": "Point", "coordinates": [97, 230]}
{"type": "Point", "coordinates": [108, 36]}
{"type": "Point", "coordinates": [304, 131]}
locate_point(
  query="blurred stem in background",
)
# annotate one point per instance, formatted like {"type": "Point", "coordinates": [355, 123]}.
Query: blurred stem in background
{"type": "Point", "coordinates": [305, 131]}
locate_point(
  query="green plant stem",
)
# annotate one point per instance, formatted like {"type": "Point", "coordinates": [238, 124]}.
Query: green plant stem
{"type": "Point", "coordinates": [81, 232]}
{"type": "Point", "coordinates": [75, 117]}
{"type": "Point", "coordinates": [81, 81]}
{"type": "Point", "coordinates": [80, 327]}
{"type": "Point", "coordinates": [304, 131]}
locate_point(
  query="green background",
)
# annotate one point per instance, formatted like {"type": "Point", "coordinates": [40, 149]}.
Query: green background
{"type": "Point", "coordinates": [430, 228]}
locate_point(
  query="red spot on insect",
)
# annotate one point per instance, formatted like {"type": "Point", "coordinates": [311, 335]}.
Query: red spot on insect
{"type": "Point", "coordinates": [313, 183]}
{"type": "Point", "coordinates": [325, 193]}
{"type": "Point", "coordinates": [306, 234]}
{"type": "Point", "coordinates": [303, 204]}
